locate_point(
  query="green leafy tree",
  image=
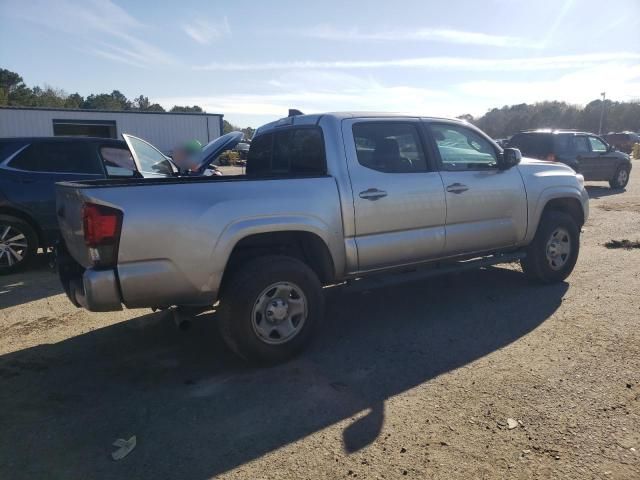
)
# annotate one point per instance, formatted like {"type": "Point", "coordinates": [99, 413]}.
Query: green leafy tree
{"type": "Point", "coordinates": [181, 109]}
{"type": "Point", "coordinates": [155, 107]}
{"type": "Point", "coordinates": [228, 127]}
{"type": "Point", "coordinates": [75, 100]}
{"type": "Point", "coordinates": [248, 132]}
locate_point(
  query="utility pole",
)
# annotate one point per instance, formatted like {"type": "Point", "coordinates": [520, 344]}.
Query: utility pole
{"type": "Point", "coordinates": [601, 113]}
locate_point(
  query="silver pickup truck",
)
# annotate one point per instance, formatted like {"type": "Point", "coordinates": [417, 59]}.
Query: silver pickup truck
{"type": "Point", "coordinates": [326, 199]}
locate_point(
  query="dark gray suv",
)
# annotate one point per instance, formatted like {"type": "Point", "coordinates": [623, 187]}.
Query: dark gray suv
{"type": "Point", "coordinates": [585, 152]}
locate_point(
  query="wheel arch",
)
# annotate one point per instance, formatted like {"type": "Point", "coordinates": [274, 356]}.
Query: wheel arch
{"type": "Point", "coordinates": [304, 245]}
{"type": "Point", "coordinates": [17, 213]}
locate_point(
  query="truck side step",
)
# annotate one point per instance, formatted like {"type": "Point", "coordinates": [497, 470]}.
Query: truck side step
{"type": "Point", "coordinates": [432, 270]}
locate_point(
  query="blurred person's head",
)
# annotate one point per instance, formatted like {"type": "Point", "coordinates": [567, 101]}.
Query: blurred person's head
{"type": "Point", "coordinates": [187, 155]}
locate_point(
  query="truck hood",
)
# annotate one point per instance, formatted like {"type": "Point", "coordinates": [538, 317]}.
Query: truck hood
{"type": "Point", "coordinates": [543, 168]}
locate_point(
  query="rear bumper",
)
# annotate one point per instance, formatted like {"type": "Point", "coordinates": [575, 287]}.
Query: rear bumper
{"type": "Point", "coordinates": [95, 290]}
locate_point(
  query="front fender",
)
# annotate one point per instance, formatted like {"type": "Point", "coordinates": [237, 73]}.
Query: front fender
{"type": "Point", "coordinates": [548, 194]}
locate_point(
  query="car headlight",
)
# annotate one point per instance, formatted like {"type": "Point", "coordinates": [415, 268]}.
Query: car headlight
{"type": "Point", "coordinates": [580, 178]}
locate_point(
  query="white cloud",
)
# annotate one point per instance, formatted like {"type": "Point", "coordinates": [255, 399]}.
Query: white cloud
{"type": "Point", "coordinates": [205, 32]}
{"type": "Point", "coordinates": [442, 63]}
{"type": "Point", "coordinates": [99, 27]}
{"type": "Point", "coordinates": [621, 81]}
{"type": "Point", "coordinates": [446, 35]}
{"type": "Point", "coordinates": [320, 91]}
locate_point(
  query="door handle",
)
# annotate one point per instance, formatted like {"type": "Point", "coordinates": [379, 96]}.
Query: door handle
{"type": "Point", "coordinates": [457, 188]}
{"type": "Point", "coordinates": [372, 194]}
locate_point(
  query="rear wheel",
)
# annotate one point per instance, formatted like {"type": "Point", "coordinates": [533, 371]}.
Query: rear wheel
{"type": "Point", "coordinates": [18, 244]}
{"type": "Point", "coordinates": [554, 250]}
{"type": "Point", "coordinates": [270, 308]}
{"type": "Point", "coordinates": [621, 178]}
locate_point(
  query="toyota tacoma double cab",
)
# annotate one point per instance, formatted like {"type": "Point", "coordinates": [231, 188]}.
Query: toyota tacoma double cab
{"type": "Point", "coordinates": [326, 199]}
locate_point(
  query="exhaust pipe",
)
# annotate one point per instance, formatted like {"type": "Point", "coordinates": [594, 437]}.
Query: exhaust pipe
{"type": "Point", "coordinates": [181, 319]}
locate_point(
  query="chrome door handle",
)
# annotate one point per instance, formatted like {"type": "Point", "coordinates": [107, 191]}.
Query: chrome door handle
{"type": "Point", "coordinates": [457, 188]}
{"type": "Point", "coordinates": [372, 194]}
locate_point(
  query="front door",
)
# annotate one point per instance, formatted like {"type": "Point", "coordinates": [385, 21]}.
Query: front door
{"type": "Point", "coordinates": [595, 160]}
{"type": "Point", "coordinates": [486, 206]}
{"type": "Point", "coordinates": [398, 197]}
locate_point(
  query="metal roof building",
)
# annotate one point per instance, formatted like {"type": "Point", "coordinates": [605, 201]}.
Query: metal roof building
{"type": "Point", "coordinates": [164, 130]}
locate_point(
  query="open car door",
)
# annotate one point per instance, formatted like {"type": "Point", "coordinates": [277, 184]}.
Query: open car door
{"type": "Point", "coordinates": [150, 161]}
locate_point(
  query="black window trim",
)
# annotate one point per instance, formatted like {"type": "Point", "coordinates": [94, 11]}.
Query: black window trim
{"type": "Point", "coordinates": [436, 150]}
{"type": "Point", "coordinates": [6, 164]}
{"type": "Point", "coordinates": [278, 129]}
{"type": "Point", "coordinates": [424, 144]}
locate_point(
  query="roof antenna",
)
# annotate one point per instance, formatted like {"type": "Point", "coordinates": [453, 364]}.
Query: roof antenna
{"type": "Point", "coordinates": [293, 112]}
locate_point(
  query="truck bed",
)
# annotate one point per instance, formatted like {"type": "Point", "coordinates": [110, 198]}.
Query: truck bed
{"type": "Point", "coordinates": [180, 232]}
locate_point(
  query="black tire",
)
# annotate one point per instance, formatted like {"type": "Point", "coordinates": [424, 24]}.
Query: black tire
{"type": "Point", "coordinates": [621, 178]}
{"type": "Point", "coordinates": [537, 265]}
{"type": "Point", "coordinates": [10, 227]}
{"type": "Point", "coordinates": [240, 324]}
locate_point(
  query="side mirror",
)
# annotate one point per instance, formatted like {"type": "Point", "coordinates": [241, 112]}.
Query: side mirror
{"type": "Point", "coordinates": [510, 157]}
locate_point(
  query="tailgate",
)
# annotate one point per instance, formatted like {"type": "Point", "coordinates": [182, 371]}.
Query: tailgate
{"type": "Point", "coordinates": [69, 202]}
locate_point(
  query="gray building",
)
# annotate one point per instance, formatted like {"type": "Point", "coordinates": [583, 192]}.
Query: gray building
{"type": "Point", "coordinates": [164, 130]}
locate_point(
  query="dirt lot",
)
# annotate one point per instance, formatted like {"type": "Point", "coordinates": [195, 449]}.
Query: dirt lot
{"type": "Point", "coordinates": [415, 381]}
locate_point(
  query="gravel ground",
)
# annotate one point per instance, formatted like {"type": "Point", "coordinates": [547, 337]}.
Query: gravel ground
{"type": "Point", "coordinates": [413, 381]}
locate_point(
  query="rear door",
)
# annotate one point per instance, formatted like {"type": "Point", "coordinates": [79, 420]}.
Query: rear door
{"type": "Point", "coordinates": [36, 169]}
{"type": "Point", "coordinates": [398, 197]}
{"type": "Point", "coordinates": [486, 207]}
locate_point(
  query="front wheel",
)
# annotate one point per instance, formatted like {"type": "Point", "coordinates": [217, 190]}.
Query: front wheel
{"type": "Point", "coordinates": [18, 244]}
{"type": "Point", "coordinates": [270, 308]}
{"type": "Point", "coordinates": [621, 178]}
{"type": "Point", "coordinates": [554, 250]}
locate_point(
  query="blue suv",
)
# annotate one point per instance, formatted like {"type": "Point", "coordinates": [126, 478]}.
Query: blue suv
{"type": "Point", "coordinates": [29, 169]}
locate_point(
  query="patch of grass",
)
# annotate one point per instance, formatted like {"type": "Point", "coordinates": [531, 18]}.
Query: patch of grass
{"type": "Point", "coordinates": [626, 244]}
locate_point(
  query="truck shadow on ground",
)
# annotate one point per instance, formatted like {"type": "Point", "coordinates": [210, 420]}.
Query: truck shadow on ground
{"type": "Point", "coordinates": [596, 191]}
{"type": "Point", "coordinates": [197, 411]}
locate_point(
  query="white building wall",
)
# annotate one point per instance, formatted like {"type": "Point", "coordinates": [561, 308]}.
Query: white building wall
{"type": "Point", "coordinates": [164, 130]}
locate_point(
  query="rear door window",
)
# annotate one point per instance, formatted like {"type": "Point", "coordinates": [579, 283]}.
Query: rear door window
{"type": "Point", "coordinates": [58, 157]}
{"type": "Point", "coordinates": [581, 144]}
{"type": "Point", "coordinates": [118, 161]}
{"type": "Point", "coordinates": [390, 147]}
{"type": "Point", "coordinates": [288, 152]}
{"type": "Point", "coordinates": [9, 148]}
{"type": "Point", "coordinates": [563, 144]}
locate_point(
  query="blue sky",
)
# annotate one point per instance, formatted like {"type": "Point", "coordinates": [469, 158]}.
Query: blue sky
{"type": "Point", "coordinates": [252, 61]}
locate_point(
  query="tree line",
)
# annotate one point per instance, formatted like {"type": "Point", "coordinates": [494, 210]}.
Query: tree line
{"type": "Point", "coordinates": [14, 92]}
{"type": "Point", "coordinates": [508, 120]}
{"type": "Point", "coordinates": [497, 122]}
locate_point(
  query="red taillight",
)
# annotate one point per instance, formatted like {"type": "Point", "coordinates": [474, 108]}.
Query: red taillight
{"type": "Point", "coordinates": [101, 225]}
{"type": "Point", "coordinates": [551, 157]}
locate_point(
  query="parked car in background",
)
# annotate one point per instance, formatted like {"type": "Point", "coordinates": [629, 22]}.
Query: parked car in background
{"type": "Point", "coordinates": [243, 149]}
{"type": "Point", "coordinates": [585, 152]}
{"type": "Point", "coordinates": [623, 141]}
{"type": "Point", "coordinates": [30, 168]}
{"type": "Point", "coordinates": [327, 198]}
